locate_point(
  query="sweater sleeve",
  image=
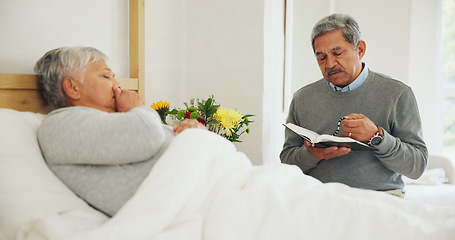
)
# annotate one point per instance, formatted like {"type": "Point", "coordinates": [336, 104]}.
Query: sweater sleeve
{"type": "Point", "coordinates": [403, 150]}
{"type": "Point", "coordinates": [294, 152]}
{"type": "Point", "coordinates": [80, 135]}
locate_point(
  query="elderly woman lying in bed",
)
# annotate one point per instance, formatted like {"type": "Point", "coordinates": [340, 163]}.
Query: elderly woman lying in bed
{"type": "Point", "coordinates": [116, 155]}
{"type": "Point", "coordinates": [100, 141]}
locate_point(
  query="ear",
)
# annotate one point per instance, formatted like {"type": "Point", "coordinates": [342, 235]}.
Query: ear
{"type": "Point", "coordinates": [361, 48]}
{"type": "Point", "coordinates": [71, 88]}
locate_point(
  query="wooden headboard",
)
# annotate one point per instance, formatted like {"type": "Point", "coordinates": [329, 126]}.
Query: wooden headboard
{"type": "Point", "coordinates": [20, 91]}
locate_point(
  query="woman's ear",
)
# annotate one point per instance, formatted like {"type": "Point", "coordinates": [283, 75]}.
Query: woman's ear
{"type": "Point", "coordinates": [71, 88]}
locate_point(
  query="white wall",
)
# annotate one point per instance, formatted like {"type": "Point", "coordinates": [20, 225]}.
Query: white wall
{"type": "Point", "coordinates": [165, 51]}
{"type": "Point", "coordinates": [30, 28]}
{"type": "Point", "coordinates": [424, 69]}
{"type": "Point", "coordinates": [304, 66]}
{"type": "Point", "coordinates": [386, 30]}
{"type": "Point", "coordinates": [198, 48]}
{"type": "Point", "coordinates": [224, 57]}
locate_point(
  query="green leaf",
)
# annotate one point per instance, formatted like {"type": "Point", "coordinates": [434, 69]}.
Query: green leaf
{"type": "Point", "coordinates": [202, 106]}
{"type": "Point", "coordinates": [211, 111]}
{"type": "Point", "coordinates": [173, 111]}
{"type": "Point", "coordinates": [208, 103]}
{"type": "Point", "coordinates": [213, 121]}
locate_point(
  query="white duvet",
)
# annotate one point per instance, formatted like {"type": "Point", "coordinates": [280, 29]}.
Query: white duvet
{"type": "Point", "coordinates": [202, 188]}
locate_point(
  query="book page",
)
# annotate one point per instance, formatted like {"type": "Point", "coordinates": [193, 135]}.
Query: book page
{"type": "Point", "coordinates": [326, 140]}
{"type": "Point", "coordinates": [329, 138]}
{"type": "Point", "coordinates": [303, 132]}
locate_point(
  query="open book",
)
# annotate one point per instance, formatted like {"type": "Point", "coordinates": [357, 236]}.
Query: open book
{"type": "Point", "coordinates": [325, 140]}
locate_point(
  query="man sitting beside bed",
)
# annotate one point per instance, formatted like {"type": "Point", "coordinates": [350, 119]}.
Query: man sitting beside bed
{"type": "Point", "coordinates": [368, 106]}
{"type": "Point", "coordinates": [100, 141]}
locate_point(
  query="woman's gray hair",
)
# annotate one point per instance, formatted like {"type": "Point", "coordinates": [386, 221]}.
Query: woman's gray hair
{"type": "Point", "coordinates": [60, 63]}
{"type": "Point", "coordinates": [351, 30]}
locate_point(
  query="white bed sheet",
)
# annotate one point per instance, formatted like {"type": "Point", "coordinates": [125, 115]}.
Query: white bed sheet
{"type": "Point", "coordinates": [202, 188]}
{"type": "Point", "coordinates": [439, 195]}
{"type": "Point", "coordinates": [435, 186]}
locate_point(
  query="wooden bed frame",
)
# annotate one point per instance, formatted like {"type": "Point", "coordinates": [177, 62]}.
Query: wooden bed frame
{"type": "Point", "coordinates": [20, 91]}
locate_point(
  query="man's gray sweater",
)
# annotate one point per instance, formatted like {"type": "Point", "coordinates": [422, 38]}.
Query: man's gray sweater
{"type": "Point", "coordinates": [103, 157]}
{"type": "Point", "coordinates": [389, 103]}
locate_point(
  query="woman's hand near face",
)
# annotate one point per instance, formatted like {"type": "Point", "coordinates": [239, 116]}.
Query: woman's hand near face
{"type": "Point", "coordinates": [126, 100]}
{"type": "Point", "coordinates": [187, 123]}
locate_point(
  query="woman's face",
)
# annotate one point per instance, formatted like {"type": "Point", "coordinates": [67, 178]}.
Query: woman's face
{"type": "Point", "coordinates": [97, 89]}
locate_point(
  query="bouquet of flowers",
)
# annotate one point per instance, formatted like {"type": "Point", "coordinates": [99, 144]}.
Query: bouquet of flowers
{"type": "Point", "coordinates": [228, 123]}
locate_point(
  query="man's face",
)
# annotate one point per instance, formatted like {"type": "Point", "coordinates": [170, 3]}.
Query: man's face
{"type": "Point", "coordinates": [97, 90]}
{"type": "Point", "coordinates": [340, 64]}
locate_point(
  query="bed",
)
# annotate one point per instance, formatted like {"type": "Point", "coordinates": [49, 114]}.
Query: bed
{"type": "Point", "coordinates": [213, 193]}
{"type": "Point", "coordinates": [436, 185]}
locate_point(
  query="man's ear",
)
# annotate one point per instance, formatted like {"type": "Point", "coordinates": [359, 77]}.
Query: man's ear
{"type": "Point", "coordinates": [361, 48]}
{"type": "Point", "coordinates": [71, 88]}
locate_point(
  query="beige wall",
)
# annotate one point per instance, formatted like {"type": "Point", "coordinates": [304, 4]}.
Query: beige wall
{"type": "Point", "coordinates": [30, 28]}
{"type": "Point", "coordinates": [198, 48]}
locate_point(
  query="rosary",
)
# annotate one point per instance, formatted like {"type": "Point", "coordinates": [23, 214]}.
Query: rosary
{"type": "Point", "coordinates": [338, 126]}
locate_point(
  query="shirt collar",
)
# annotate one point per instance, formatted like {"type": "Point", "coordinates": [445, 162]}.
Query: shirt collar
{"type": "Point", "coordinates": [356, 83]}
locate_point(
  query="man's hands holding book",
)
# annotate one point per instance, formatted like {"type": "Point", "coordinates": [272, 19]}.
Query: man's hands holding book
{"type": "Point", "coordinates": [327, 153]}
{"type": "Point", "coordinates": [355, 126]}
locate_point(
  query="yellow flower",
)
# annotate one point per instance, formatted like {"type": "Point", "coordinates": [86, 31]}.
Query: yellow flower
{"type": "Point", "coordinates": [228, 118]}
{"type": "Point", "coordinates": [161, 105]}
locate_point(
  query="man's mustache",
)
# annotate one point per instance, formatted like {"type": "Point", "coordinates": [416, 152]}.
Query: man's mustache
{"type": "Point", "coordinates": [333, 71]}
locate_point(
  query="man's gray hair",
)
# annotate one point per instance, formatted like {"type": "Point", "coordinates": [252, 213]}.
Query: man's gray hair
{"type": "Point", "coordinates": [60, 63]}
{"type": "Point", "coordinates": [351, 30]}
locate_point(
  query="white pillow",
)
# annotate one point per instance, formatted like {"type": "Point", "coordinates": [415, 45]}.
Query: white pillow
{"type": "Point", "coordinates": [28, 189]}
{"type": "Point", "coordinates": [434, 176]}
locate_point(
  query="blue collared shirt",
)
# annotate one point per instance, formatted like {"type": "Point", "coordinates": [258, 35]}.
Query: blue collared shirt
{"type": "Point", "coordinates": [356, 83]}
